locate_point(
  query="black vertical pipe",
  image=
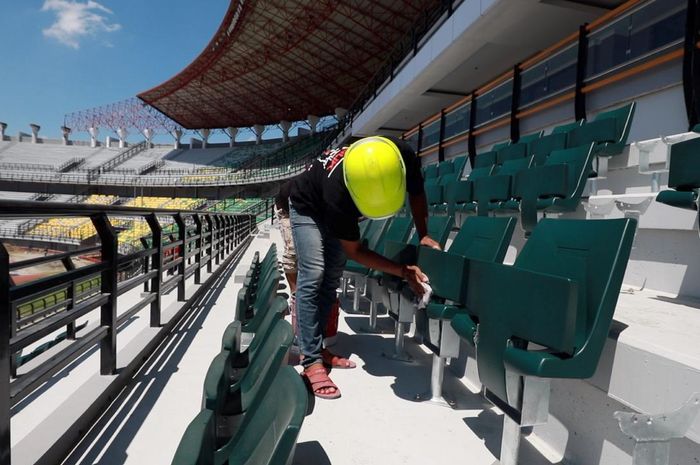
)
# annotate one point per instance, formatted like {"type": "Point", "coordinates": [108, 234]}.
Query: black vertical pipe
{"type": "Point", "coordinates": [210, 241]}
{"type": "Point", "coordinates": [146, 261]}
{"type": "Point", "coordinates": [441, 149]}
{"type": "Point", "coordinates": [70, 298]}
{"type": "Point", "coordinates": [182, 237]}
{"type": "Point", "coordinates": [471, 141]}
{"type": "Point", "coordinates": [6, 317]}
{"type": "Point", "coordinates": [108, 312]}
{"type": "Point", "coordinates": [199, 244]}
{"type": "Point", "coordinates": [157, 266]}
{"type": "Point", "coordinates": [691, 64]}
{"type": "Point", "coordinates": [514, 105]}
{"type": "Point", "coordinates": [581, 64]}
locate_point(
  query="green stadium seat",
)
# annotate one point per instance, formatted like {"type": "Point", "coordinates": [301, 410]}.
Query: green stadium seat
{"type": "Point", "coordinates": [485, 159]}
{"type": "Point", "coordinates": [512, 152]}
{"type": "Point", "coordinates": [460, 194]}
{"type": "Point", "coordinates": [439, 228]}
{"type": "Point", "coordinates": [556, 186]}
{"type": "Point", "coordinates": [560, 295]}
{"type": "Point", "coordinates": [445, 168]}
{"type": "Point", "coordinates": [683, 176]}
{"type": "Point", "coordinates": [490, 192]}
{"type": "Point", "coordinates": [500, 145]}
{"type": "Point", "coordinates": [568, 127]}
{"type": "Point", "coordinates": [479, 238]}
{"type": "Point", "coordinates": [459, 164]}
{"type": "Point", "coordinates": [542, 147]}
{"type": "Point", "coordinates": [431, 171]}
{"type": "Point", "coordinates": [530, 137]}
{"type": "Point", "coordinates": [229, 394]}
{"type": "Point", "coordinates": [608, 130]}
{"type": "Point", "coordinates": [267, 435]}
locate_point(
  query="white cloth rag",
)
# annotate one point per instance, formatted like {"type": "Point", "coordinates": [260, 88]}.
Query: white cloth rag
{"type": "Point", "coordinates": [424, 300]}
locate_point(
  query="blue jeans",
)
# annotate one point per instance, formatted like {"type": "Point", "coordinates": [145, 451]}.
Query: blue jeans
{"type": "Point", "coordinates": [320, 264]}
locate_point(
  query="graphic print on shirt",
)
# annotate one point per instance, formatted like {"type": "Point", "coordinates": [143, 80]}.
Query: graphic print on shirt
{"type": "Point", "coordinates": [331, 158]}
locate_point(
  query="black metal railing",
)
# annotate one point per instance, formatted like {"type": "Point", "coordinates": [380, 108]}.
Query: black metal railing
{"type": "Point", "coordinates": [117, 160]}
{"type": "Point", "coordinates": [200, 240]}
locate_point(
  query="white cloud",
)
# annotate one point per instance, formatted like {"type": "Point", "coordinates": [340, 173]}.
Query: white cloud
{"type": "Point", "coordinates": [76, 20]}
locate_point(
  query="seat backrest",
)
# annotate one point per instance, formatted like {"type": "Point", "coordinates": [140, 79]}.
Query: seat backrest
{"type": "Point", "coordinates": [565, 128]}
{"type": "Point", "coordinates": [438, 229]}
{"type": "Point", "coordinates": [374, 233]}
{"type": "Point", "coordinates": [397, 231]}
{"type": "Point", "coordinates": [271, 428]}
{"type": "Point", "coordinates": [579, 161]}
{"type": "Point", "coordinates": [431, 171]}
{"type": "Point", "coordinates": [459, 164]}
{"type": "Point", "coordinates": [485, 159]}
{"type": "Point", "coordinates": [445, 167]}
{"type": "Point", "coordinates": [511, 167]}
{"type": "Point", "coordinates": [500, 145]}
{"type": "Point", "coordinates": [593, 253]}
{"type": "Point", "coordinates": [530, 137]}
{"type": "Point", "coordinates": [623, 119]}
{"type": "Point", "coordinates": [684, 171]}
{"type": "Point", "coordinates": [512, 152]}
{"type": "Point", "coordinates": [542, 147]}
{"type": "Point", "coordinates": [483, 238]}
{"type": "Point", "coordinates": [363, 227]}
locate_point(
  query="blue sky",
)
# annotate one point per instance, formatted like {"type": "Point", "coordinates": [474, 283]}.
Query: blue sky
{"type": "Point", "coordinates": [60, 56]}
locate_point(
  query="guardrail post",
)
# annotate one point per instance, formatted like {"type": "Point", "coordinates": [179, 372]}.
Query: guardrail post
{"type": "Point", "coordinates": [221, 251]}
{"type": "Point", "coordinates": [108, 312]}
{"type": "Point", "coordinates": [230, 234]}
{"type": "Point", "coordinates": [6, 318]}
{"type": "Point", "coordinates": [146, 267]}
{"type": "Point", "coordinates": [199, 245]}
{"type": "Point", "coordinates": [157, 266]}
{"type": "Point", "coordinates": [210, 242]}
{"type": "Point", "coordinates": [182, 236]}
{"type": "Point", "coordinates": [217, 240]}
{"type": "Point", "coordinates": [70, 298]}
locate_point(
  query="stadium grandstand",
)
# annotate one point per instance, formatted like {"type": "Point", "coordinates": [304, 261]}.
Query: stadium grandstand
{"type": "Point", "coordinates": [147, 316]}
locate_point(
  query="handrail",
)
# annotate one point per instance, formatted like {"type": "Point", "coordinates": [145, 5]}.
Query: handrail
{"type": "Point", "coordinates": [202, 240]}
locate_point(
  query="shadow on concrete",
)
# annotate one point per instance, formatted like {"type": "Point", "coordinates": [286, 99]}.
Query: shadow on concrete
{"type": "Point", "coordinates": [310, 453]}
{"type": "Point", "coordinates": [109, 439]}
{"type": "Point", "coordinates": [411, 378]}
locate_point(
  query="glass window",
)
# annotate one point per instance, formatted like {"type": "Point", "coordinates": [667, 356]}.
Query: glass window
{"type": "Point", "coordinates": [431, 134]}
{"type": "Point", "coordinates": [654, 26]}
{"type": "Point", "coordinates": [457, 121]}
{"type": "Point", "coordinates": [494, 103]}
{"type": "Point", "coordinates": [412, 140]}
{"type": "Point", "coordinates": [551, 76]}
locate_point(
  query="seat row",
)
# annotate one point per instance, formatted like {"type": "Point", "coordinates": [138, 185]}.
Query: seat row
{"type": "Point", "coordinates": [545, 174]}
{"type": "Point", "coordinates": [253, 403]}
{"type": "Point", "coordinates": [684, 177]}
{"type": "Point", "coordinates": [546, 316]}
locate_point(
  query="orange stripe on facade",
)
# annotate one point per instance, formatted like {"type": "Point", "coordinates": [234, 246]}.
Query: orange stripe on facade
{"type": "Point", "coordinates": [488, 127]}
{"type": "Point", "coordinates": [455, 140]}
{"type": "Point", "coordinates": [429, 151]}
{"type": "Point", "coordinates": [458, 103]}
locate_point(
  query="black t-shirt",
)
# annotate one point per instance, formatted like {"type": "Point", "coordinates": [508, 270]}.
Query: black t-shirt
{"type": "Point", "coordinates": [320, 192]}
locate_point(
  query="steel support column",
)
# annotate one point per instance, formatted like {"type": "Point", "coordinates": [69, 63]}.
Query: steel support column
{"type": "Point", "coordinates": [108, 312]}
{"type": "Point", "coordinates": [157, 266]}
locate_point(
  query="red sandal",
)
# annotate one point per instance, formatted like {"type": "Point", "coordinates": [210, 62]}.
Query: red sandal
{"type": "Point", "coordinates": [336, 361]}
{"type": "Point", "coordinates": [318, 378]}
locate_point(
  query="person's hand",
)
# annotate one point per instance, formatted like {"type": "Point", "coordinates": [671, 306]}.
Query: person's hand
{"type": "Point", "coordinates": [430, 242]}
{"type": "Point", "coordinates": [414, 277]}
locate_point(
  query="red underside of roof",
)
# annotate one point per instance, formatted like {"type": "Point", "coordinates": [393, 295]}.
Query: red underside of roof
{"type": "Point", "coordinates": [284, 60]}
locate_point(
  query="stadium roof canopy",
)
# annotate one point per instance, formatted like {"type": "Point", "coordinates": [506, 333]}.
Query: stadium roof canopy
{"type": "Point", "coordinates": [274, 60]}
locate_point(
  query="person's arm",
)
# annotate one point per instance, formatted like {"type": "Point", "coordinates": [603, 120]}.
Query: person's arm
{"type": "Point", "coordinates": [361, 254]}
{"type": "Point", "coordinates": [419, 210]}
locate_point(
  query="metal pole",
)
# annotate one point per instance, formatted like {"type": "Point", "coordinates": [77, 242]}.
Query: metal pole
{"type": "Point", "coordinates": [182, 236]}
{"type": "Point", "coordinates": [70, 298]}
{"type": "Point", "coordinates": [199, 245]}
{"type": "Point", "coordinates": [210, 241]}
{"type": "Point", "coordinates": [108, 312]}
{"type": "Point", "coordinates": [157, 266]}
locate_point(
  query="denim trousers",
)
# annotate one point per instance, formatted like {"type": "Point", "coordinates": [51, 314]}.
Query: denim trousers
{"type": "Point", "coordinates": [320, 264]}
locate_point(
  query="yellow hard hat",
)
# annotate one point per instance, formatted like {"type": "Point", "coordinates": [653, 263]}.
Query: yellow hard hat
{"type": "Point", "coordinates": [375, 176]}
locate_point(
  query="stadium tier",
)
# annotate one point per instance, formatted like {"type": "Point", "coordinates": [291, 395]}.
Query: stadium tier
{"type": "Point", "coordinates": [559, 147]}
